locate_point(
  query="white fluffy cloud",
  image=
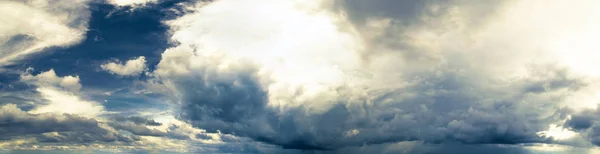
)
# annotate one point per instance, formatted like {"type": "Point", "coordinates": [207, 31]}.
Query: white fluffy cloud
{"type": "Point", "coordinates": [50, 79]}
{"type": "Point", "coordinates": [48, 23]}
{"type": "Point", "coordinates": [132, 67]}
{"type": "Point", "coordinates": [282, 44]}
{"type": "Point", "coordinates": [60, 94]}
{"type": "Point", "coordinates": [308, 77]}
{"type": "Point", "coordinates": [64, 102]}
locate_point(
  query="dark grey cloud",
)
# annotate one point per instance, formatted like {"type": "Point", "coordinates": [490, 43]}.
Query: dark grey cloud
{"type": "Point", "coordinates": [420, 148]}
{"type": "Point", "coordinates": [136, 129]}
{"type": "Point", "coordinates": [218, 101]}
{"type": "Point", "coordinates": [203, 136]}
{"type": "Point", "coordinates": [84, 137]}
{"type": "Point", "coordinates": [138, 120]}
{"type": "Point", "coordinates": [230, 138]}
{"type": "Point", "coordinates": [412, 12]}
{"type": "Point", "coordinates": [408, 10]}
{"type": "Point", "coordinates": [442, 106]}
{"type": "Point", "coordinates": [178, 135]}
{"type": "Point", "coordinates": [582, 121]}
{"type": "Point", "coordinates": [175, 132]}
{"type": "Point", "coordinates": [587, 124]}
{"type": "Point", "coordinates": [139, 126]}
{"type": "Point", "coordinates": [49, 127]}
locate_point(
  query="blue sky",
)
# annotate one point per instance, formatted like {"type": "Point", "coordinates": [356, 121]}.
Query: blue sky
{"type": "Point", "coordinates": [292, 76]}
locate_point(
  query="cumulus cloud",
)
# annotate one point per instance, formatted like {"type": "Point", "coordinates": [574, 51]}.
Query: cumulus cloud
{"type": "Point", "coordinates": [61, 102]}
{"type": "Point", "coordinates": [302, 76]}
{"type": "Point", "coordinates": [331, 74]}
{"type": "Point", "coordinates": [133, 67]}
{"type": "Point", "coordinates": [60, 94]}
{"type": "Point", "coordinates": [58, 23]}
{"type": "Point", "coordinates": [50, 79]}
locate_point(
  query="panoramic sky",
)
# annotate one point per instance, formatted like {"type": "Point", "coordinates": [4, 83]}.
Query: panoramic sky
{"type": "Point", "coordinates": [300, 76]}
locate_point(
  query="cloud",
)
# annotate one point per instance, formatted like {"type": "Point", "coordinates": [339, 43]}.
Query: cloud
{"type": "Point", "coordinates": [60, 94]}
{"type": "Point", "coordinates": [139, 120]}
{"type": "Point", "coordinates": [203, 136]}
{"type": "Point", "coordinates": [137, 129]}
{"type": "Point", "coordinates": [133, 67]}
{"type": "Point", "coordinates": [343, 75]}
{"type": "Point", "coordinates": [587, 124]}
{"type": "Point", "coordinates": [137, 125]}
{"type": "Point", "coordinates": [171, 129]}
{"type": "Point", "coordinates": [50, 79]}
{"type": "Point", "coordinates": [421, 148]}
{"type": "Point", "coordinates": [57, 24]}
{"type": "Point", "coordinates": [51, 127]}
{"type": "Point", "coordinates": [131, 2]}
{"type": "Point", "coordinates": [445, 76]}
{"type": "Point", "coordinates": [61, 102]}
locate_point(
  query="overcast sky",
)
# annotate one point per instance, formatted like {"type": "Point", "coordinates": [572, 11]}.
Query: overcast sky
{"type": "Point", "coordinates": [299, 76]}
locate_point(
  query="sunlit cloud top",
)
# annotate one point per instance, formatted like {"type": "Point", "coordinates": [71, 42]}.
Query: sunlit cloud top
{"type": "Point", "coordinates": [292, 76]}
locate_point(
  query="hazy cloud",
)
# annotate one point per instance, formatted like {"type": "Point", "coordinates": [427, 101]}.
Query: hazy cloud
{"type": "Point", "coordinates": [58, 23]}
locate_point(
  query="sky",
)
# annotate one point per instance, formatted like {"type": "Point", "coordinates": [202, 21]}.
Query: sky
{"type": "Point", "coordinates": [298, 76]}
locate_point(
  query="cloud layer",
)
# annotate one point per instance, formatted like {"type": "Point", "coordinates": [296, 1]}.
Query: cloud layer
{"type": "Point", "coordinates": [359, 83]}
{"type": "Point", "coordinates": [274, 76]}
{"type": "Point", "coordinates": [50, 127]}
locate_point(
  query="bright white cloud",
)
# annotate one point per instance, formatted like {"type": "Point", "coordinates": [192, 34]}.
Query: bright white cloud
{"type": "Point", "coordinates": [58, 23]}
{"type": "Point", "coordinates": [518, 36]}
{"type": "Point", "coordinates": [282, 44]}
{"type": "Point", "coordinates": [558, 132]}
{"type": "Point", "coordinates": [60, 94]}
{"type": "Point", "coordinates": [132, 67]}
{"type": "Point", "coordinates": [50, 79]}
{"type": "Point", "coordinates": [64, 102]}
